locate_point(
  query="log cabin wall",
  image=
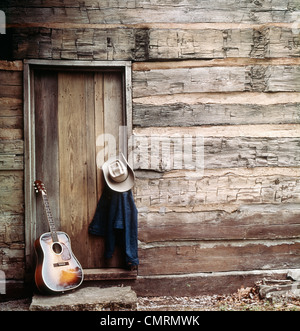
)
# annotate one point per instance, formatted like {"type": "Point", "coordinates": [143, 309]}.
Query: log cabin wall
{"type": "Point", "coordinates": [220, 79]}
{"type": "Point", "coordinates": [11, 171]}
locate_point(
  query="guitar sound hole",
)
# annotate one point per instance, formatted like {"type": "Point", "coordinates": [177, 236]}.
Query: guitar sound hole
{"type": "Point", "coordinates": [57, 249]}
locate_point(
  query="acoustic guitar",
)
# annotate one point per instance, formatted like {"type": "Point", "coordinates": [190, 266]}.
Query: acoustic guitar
{"type": "Point", "coordinates": [57, 269]}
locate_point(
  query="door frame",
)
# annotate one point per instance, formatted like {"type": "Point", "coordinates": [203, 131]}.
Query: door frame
{"type": "Point", "coordinates": [29, 130]}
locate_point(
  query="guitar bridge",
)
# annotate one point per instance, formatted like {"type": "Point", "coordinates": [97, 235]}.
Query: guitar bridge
{"type": "Point", "coordinates": [60, 264]}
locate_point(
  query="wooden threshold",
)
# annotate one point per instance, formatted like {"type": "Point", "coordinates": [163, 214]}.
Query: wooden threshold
{"type": "Point", "coordinates": [109, 274]}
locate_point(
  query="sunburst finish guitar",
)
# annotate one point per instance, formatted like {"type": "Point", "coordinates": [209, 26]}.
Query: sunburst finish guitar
{"type": "Point", "coordinates": [57, 268]}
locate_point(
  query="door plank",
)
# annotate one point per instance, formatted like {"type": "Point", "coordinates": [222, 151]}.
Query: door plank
{"type": "Point", "coordinates": [91, 146]}
{"type": "Point", "coordinates": [99, 129]}
{"type": "Point", "coordinates": [46, 145]}
{"type": "Point", "coordinates": [94, 245]}
{"type": "Point", "coordinates": [113, 103]}
{"type": "Point", "coordinates": [73, 160]}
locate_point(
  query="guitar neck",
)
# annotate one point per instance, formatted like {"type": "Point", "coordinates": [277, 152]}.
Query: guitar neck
{"type": "Point", "coordinates": [49, 217]}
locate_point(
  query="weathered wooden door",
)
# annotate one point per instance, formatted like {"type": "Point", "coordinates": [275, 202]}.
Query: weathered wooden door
{"type": "Point", "coordinates": [72, 109]}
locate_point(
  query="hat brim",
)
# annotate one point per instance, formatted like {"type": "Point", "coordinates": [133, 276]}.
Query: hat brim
{"type": "Point", "coordinates": [124, 186]}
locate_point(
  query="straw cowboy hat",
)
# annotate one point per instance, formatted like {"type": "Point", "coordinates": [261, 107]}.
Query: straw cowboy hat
{"type": "Point", "coordinates": [118, 174]}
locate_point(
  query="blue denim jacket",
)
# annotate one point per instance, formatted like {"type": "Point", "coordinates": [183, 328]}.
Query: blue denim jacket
{"type": "Point", "coordinates": [117, 210]}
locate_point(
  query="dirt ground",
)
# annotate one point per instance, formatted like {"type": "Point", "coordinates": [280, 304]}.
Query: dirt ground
{"type": "Point", "coordinates": [245, 299]}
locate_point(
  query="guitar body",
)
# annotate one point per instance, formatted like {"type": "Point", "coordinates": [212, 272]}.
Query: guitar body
{"type": "Point", "coordinates": [57, 269]}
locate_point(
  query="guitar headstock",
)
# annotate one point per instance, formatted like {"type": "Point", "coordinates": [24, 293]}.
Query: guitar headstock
{"type": "Point", "coordinates": [39, 187]}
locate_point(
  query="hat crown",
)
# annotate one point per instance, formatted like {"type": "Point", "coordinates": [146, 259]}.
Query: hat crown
{"type": "Point", "coordinates": [118, 171]}
{"type": "Point", "coordinates": [118, 174]}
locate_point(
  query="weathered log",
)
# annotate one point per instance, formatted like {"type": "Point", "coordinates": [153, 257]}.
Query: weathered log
{"type": "Point", "coordinates": [185, 114]}
{"type": "Point", "coordinates": [272, 289]}
{"type": "Point", "coordinates": [183, 190]}
{"type": "Point", "coordinates": [12, 261]}
{"type": "Point", "coordinates": [11, 191]}
{"type": "Point", "coordinates": [217, 256]}
{"type": "Point", "coordinates": [91, 11]}
{"type": "Point", "coordinates": [257, 78]}
{"type": "Point", "coordinates": [197, 152]}
{"type": "Point", "coordinates": [222, 43]}
{"type": "Point", "coordinates": [294, 274]}
{"type": "Point", "coordinates": [11, 106]}
{"type": "Point", "coordinates": [263, 221]}
{"type": "Point", "coordinates": [142, 43]}
{"type": "Point", "coordinates": [11, 229]}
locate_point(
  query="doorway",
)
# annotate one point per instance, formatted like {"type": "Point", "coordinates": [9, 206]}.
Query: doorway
{"type": "Point", "coordinates": [69, 107]}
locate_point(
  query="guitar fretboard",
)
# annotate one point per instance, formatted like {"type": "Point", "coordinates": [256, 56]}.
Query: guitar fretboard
{"type": "Point", "coordinates": [49, 217]}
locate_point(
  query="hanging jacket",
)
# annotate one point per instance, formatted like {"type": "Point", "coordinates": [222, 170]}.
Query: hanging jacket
{"type": "Point", "coordinates": [114, 211]}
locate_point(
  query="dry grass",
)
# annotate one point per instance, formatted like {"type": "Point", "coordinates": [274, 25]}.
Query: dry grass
{"type": "Point", "coordinates": [245, 299]}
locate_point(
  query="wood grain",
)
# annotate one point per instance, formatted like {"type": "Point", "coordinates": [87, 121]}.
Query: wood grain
{"type": "Point", "coordinates": [258, 78]}
{"type": "Point", "coordinates": [10, 92]}
{"type": "Point", "coordinates": [152, 11]}
{"type": "Point", "coordinates": [113, 103]}
{"type": "Point", "coordinates": [217, 256]}
{"type": "Point", "coordinates": [94, 101]}
{"type": "Point", "coordinates": [155, 41]}
{"type": "Point", "coordinates": [224, 189]}
{"type": "Point", "coordinates": [11, 106]}
{"type": "Point", "coordinates": [94, 246]}
{"type": "Point", "coordinates": [203, 113]}
{"type": "Point", "coordinates": [11, 184]}
{"type": "Point", "coordinates": [46, 137]}
{"type": "Point", "coordinates": [72, 159]}
{"type": "Point", "coordinates": [256, 221]}
{"type": "Point", "coordinates": [99, 130]}
{"type": "Point", "coordinates": [195, 151]}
